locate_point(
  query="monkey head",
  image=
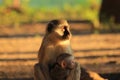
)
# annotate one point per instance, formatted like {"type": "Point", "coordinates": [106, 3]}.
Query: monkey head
{"type": "Point", "coordinates": [60, 27]}
{"type": "Point", "coordinates": [66, 61]}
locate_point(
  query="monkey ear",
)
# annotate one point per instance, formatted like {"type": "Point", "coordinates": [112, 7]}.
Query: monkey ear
{"type": "Point", "coordinates": [63, 64]}
{"type": "Point", "coordinates": [50, 27]}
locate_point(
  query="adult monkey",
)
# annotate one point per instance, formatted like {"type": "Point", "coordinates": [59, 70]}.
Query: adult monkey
{"type": "Point", "coordinates": [55, 42]}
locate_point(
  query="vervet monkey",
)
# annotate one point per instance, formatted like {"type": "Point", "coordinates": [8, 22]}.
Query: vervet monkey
{"type": "Point", "coordinates": [65, 61]}
{"type": "Point", "coordinates": [62, 67]}
{"type": "Point", "coordinates": [55, 42]}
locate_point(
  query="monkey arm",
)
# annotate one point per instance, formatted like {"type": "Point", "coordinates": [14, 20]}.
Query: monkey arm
{"type": "Point", "coordinates": [75, 73]}
{"type": "Point", "coordinates": [41, 72]}
{"type": "Point", "coordinates": [38, 73]}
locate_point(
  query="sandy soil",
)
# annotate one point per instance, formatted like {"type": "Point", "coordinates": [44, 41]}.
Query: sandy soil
{"type": "Point", "coordinates": [96, 52]}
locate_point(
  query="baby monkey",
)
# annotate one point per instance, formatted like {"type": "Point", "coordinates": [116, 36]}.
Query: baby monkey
{"type": "Point", "coordinates": [62, 67]}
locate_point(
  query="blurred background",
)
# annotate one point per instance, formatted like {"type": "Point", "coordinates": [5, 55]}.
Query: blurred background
{"type": "Point", "coordinates": [95, 25]}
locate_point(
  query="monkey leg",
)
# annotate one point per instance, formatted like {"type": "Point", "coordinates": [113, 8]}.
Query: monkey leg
{"type": "Point", "coordinates": [75, 73]}
{"type": "Point", "coordinates": [90, 75]}
{"type": "Point", "coordinates": [41, 72]}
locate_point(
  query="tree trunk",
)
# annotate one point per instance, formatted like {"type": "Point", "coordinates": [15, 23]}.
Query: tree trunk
{"type": "Point", "coordinates": [110, 11]}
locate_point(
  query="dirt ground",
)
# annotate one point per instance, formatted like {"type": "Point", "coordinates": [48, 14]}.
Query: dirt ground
{"type": "Point", "coordinates": [96, 52]}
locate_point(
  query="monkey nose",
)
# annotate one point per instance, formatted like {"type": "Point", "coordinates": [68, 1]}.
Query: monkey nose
{"type": "Point", "coordinates": [72, 62]}
{"type": "Point", "coordinates": [65, 27]}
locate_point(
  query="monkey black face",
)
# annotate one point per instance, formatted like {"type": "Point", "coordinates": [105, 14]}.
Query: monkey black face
{"type": "Point", "coordinates": [70, 63]}
{"type": "Point", "coordinates": [61, 27]}
{"type": "Point", "coordinates": [66, 33]}
{"type": "Point", "coordinates": [66, 61]}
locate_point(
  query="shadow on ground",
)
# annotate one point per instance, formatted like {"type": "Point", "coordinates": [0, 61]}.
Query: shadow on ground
{"type": "Point", "coordinates": [17, 78]}
{"type": "Point", "coordinates": [109, 76]}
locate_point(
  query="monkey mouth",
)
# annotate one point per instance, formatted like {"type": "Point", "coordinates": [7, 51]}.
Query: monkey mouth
{"type": "Point", "coordinates": [70, 68]}
{"type": "Point", "coordinates": [66, 34]}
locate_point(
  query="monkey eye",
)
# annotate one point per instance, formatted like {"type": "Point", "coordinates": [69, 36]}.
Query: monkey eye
{"type": "Point", "coordinates": [65, 27]}
{"type": "Point", "coordinates": [62, 29]}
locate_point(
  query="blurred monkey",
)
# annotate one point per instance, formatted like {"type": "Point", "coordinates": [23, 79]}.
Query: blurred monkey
{"type": "Point", "coordinates": [55, 42]}
{"type": "Point", "coordinates": [62, 67]}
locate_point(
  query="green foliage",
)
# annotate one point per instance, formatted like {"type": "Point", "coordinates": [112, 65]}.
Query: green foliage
{"type": "Point", "coordinates": [68, 9]}
{"type": "Point", "coordinates": [7, 2]}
